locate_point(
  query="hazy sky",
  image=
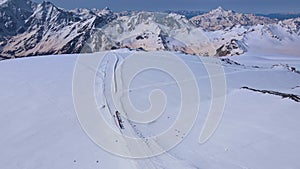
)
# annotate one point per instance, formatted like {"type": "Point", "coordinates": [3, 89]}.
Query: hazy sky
{"type": "Point", "coordinates": [250, 6]}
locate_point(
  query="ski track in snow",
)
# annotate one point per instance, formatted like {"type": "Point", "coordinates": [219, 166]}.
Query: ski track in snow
{"type": "Point", "coordinates": [160, 162]}
{"type": "Point", "coordinates": [39, 128]}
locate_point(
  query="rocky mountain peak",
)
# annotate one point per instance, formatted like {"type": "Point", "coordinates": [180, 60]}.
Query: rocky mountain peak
{"type": "Point", "coordinates": [217, 10]}
{"type": "Point", "coordinates": [219, 18]}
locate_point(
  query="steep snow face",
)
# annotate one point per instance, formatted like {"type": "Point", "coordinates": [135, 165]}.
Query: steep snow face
{"type": "Point", "coordinates": [219, 19]}
{"type": "Point", "coordinates": [39, 126]}
{"type": "Point", "coordinates": [52, 30]}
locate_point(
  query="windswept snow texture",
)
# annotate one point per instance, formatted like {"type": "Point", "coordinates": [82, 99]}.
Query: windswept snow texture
{"type": "Point", "coordinates": [39, 127]}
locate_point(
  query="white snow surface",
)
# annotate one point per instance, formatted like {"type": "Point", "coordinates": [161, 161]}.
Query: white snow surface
{"type": "Point", "coordinates": [39, 127]}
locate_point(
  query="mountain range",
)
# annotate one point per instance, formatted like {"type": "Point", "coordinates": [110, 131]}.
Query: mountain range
{"type": "Point", "coordinates": [31, 29]}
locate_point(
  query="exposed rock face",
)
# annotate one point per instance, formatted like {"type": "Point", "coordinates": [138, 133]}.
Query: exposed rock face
{"type": "Point", "coordinates": [13, 14]}
{"type": "Point", "coordinates": [234, 47]}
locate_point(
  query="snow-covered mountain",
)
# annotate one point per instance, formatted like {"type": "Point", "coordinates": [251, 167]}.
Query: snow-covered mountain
{"type": "Point", "coordinates": [219, 19]}
{"type": "Point", "coordinates": [53, 30]}
{"type": "Point", "coordinates": [39, 124]}
{"type": "Point", "coordinates": [31, 29]}
{"type": "Point", "coordinates": [153, 31]}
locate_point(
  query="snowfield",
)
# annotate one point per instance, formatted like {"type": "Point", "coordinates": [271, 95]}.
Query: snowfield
{"type": "Point", "coordinates": [259, 128]}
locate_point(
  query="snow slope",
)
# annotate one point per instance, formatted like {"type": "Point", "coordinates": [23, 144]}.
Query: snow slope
{"type": "Point", "coordinates": [39, 127]}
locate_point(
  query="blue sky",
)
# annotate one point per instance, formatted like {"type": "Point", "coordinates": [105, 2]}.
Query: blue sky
{"type": "Point", "coordinates": [247, 6]}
